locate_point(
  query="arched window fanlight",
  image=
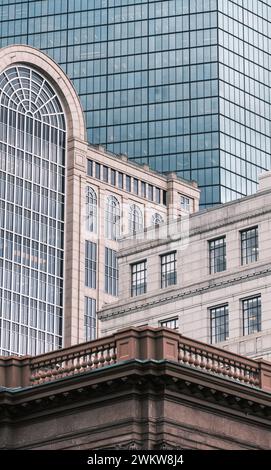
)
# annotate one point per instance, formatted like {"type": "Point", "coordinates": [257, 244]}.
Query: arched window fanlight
{"type": "Point", "coordinates": [135, 219]}
{"type": "Point", "coordinates": [112, 218]}
{"type": "Point", "coordinates": [157, 219]}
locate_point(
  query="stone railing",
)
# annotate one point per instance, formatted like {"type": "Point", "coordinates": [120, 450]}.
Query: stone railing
{"type": "Point", "coordinates": [72, 361]}
{"type": "Point", "coordinates": [144, 344]}
{"type": "Point", "coordinates": [219, 362]}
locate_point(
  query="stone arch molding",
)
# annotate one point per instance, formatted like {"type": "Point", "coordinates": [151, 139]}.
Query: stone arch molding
{"type": "Point", "coordinates": [26, 55]}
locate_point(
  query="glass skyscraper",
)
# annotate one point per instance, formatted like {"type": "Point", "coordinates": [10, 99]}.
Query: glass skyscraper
{"type": "Point", "coordinates": [183, 85]}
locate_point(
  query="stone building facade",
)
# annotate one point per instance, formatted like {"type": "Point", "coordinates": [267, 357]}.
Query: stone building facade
{"type": "Point", "coordinates": [210, 279]}
{"type": "Point", "coordinates": [64, 204]}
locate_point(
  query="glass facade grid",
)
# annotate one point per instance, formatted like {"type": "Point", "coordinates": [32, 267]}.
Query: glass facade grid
{"type": "Point", "coordinates": [139, 278]}
{"type": "Point", "coordinates": [111, 272]}
{"type": "Point", "coordinates": [252, 313]}
{"type": "Point", "coordinates": [168, 270]}
{"type": "Point", "coordinates": [217, 255]}
{"type": "Point", "coordinates": [219, 317]}
{"type": "Point", "coordinates": [249, 245]}
{"type": "Point", "coordinates": [180, 85]}
{"type": "Point", "coordinates": [32, 197]}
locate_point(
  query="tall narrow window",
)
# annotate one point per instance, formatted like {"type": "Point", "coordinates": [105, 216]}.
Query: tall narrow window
{"type": "Point", "coordinates": [139, 278]}
{"type": "Point", "coordinates": [91, 210]}
{"type": "Point", "coordinates": [97, 170]}
{"type": "Point", "coordinates": [105, 174]}
{"type": "Point", "coordinates": [111, 272]}
{"type": "Point", "coordinates": [32, 192]}
{"type": "Point", "coordinates": [135, 219]}
{"type": "Point", "coordinates": [219, 324]}
{"type": "Point", "coordinates": [186, 204]}
{"type": "Point", "coordinates": [112, 218]}
{"type": "Point", "coordinates": [120, 180]}
{"type": "Point", "coordinates": [168, 270]}
{"type": "Point", "coordinates": [252, 312]}
{"type": "Point", "coordinates": [249, 245]}
{"type": "Point", "coordinates": [217, 255]}
{"type": "Point", "coordinates": [128, 183]}
{"type": "Point", "coordinates": [90, 319]}
{"type": "Point", "coordinates": [90, 264]}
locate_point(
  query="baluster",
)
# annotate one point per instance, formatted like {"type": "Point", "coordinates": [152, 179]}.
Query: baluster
{"type": "Point", "coordinates": [186, 355]}
{"type": "Point", "coordinates": [101, 359]}
{"type": "Point", "coordinates": [96, 359]}
{"type": "Point", "coordinates": [114, 354]}
{"type": "Point", "coordinates": [108, 356]}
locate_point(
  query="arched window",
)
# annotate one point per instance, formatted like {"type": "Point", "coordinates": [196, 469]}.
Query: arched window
{"type": "Point", "coordinates": [157, 219]}
{"type": "Point", "coordinates": [135, 219]}
{"type": "Point", "coordinates": [32, 169]}
{"type": "Point", "coordinates": [91, 210]}
{"type": "Point", "coordinates": [112, 218]}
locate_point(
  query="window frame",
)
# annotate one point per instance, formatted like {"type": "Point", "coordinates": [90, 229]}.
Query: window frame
{"type": "Point", "coordinates": [136, 288]}
{"type": "Point", "coordinates": [245, 321]}
{"type": "Point", "coordinates": [244, 257]}
{"type": "Point", "coordinates": [169, 320]}
{"type": "Point", "coordinates": [214, 338]}
{"type": "Point", "coordinates": [212, 264]}
{"type": "Point", "coordinates": [164, 279]}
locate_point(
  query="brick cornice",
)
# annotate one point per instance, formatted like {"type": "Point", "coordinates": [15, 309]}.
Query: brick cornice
{"type": "Point", "coordinates": [142, 379]}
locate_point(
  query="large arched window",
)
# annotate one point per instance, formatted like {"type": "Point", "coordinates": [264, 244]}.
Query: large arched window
{"type": "Point", "coordinates": [157, 219]}
{"type": "Point", "coordinates": [32, 175]}
{"type": "Point", "coordinates": [135, 219]}
{"type": "Point", "coordinates": [112, 218]}
{"type": "Point", "coordinates": [91, 210]}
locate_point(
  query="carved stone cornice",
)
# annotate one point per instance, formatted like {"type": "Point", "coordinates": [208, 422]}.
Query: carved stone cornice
{"type": "Point", "coordinates": [196, 289]}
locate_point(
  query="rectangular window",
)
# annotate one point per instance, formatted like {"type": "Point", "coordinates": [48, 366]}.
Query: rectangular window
{"type": "Point", "coordinates": [217, 255]}
{"type": "Point", "coordinates": [90, 168]}
{"type": "Point", "coordinates": [139, 278]}
{"type": "Point", "coordinates": [90, 319]}
{"type": "Point", "coordinates": [91, 264]}
{"type": "Point", "coordinates": [252, 313]}
{"type": "Point", "coordinates": [249, 245]}
{"type": "Point", "coordinates": [219, 324]}
{"type": "Point", "coordinates": [186, 204]}
{"type": "Point", "coordinates": [157, 195]}
{"type": "Point", "coordinates": [111, 272]}
{"type": "Point", "coordinates": [128, 183]}
{"type": "Point", "coordinates": [164, 198]}
{"type": "Point", "coordinates": [168, 270]}
{"type": "Point", "coordinates": [172, 323]}
{"type": "Point", "coordinates": [120, 180]}
{"type": "Point", "coordinates": [135, 186]}
{"type": "Point", "coordinates": [113, 177]}
{"type": "Point", "coordinates": [143, 189]}
{"type": "Point", "coordinates": [98, 171]}
{"type": "Point", "coordinates": [150, 192]}
{"type": "Point", "coordinates": [105, 174]}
